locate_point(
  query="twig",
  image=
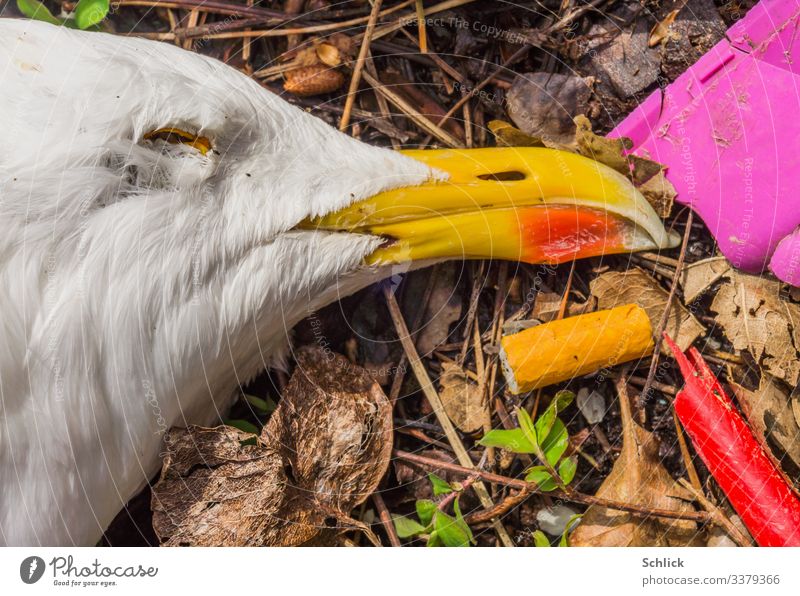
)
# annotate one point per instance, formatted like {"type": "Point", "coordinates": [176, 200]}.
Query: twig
{"type": "Point", "coordinates": [359, 65]}
{"type": "Point", "coordinates": [717, 516]}
{"type": "Point", "coordinates": [438, 408]}
{"type": "Point", "coordinates": [423, 122]}
{"type": "Point", "coordinates": [687, 458]}
{"type": "Point", "coordinates": [662, 324]}
{"type": "Point", "coordinates": [452, 496]}
{"type": "Point", "coordinates": [516, 55]}
{"type": "Point", "coordinates": [386, 519]}
{"type": "Point", "coordinates": [573, 496]}
{"type": "Point", "coordinates": [501, 508]}
{"type": "Point", "coordinates": [404, 19]}
{"type": "Point", "coordinates": [282, 32]}
{"type": "Point", "coordinates": [423, 35]}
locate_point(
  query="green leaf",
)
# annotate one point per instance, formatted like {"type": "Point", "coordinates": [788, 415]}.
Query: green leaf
{"type": "Point", "coordinates": [512, 440]}
{"type": "Point", "coordinates": [440, 485]}
{"type": "Point", "coordinates": [540, 539]}
{"type": "Point", "coordinates": [243, 425]}
{"type": "Point", "coordinates": [544, 425]}
{"type": "Point", "coordinates": [263, 406]}
{"type": "Point", "coordinates": [528, 428]}
{"type": "Point", "coordinates": [434, 539]}
{"type": "Point", "coordinates": [462, 522]}
{"type": "Point", "coordinates": [542, 478]}
{"type": "Point", "coordinates": [38, 11]}
{"type": "Point", "coordinates": [562, 400]}
{"type": "Point", "coordinates": [449, 531]}
{"type": "Point", "coordinates": [407, 527]}
{"type": "Point", "coordinates": [425, 511]}
{"type": "Point", "coordinates": [573, 521]}
{"type": "Point", "coordinates": [556, 442]}
{"type": "Point", "coordinates": [567, 469]}
{"type": "Point", "coordinates": [90, 12]}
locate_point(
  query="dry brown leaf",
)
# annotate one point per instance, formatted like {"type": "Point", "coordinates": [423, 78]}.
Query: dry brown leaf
{"type": "Point", "coordinates": [543, 104]}
{"type": "Point", "coordinates": [659, 192]}
{"type": "Point", "coordinates": [323, 451]}
{"type": "Point", "coordinates": [614, 288]}
{"type": "Point", "coordinates": [444, 309]}
{"type": "Point", "coordinates": [796, 407]}
{"type": "Point", "coordinates": [697, 277]}
{"type": "Point", "coordinates": [462, 399]}
{"type": "Point", "coordinates": [769, 411]}
{"type": "Point", "coordinates": [756, 318]}
{"type": "Point", "coordinates": [637, 478]}
{"type": "Point", "coordinates": [507, 135]}
{"type": "Point", "coordinates": [661, 30]}
{"type": "Point", "coordinates": [648, 176]}
{"type": "Point", "coordinates": [609, 151]}
{"type": "Point", "coordinates": [548, 305]}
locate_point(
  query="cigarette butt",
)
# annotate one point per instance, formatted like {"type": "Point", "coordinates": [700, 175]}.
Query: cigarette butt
{"type": "Point", "coordinates": [563, 349]}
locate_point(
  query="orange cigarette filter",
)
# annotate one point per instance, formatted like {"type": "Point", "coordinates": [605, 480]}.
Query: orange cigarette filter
{"type": "Point", "coordinates": [567, 348]}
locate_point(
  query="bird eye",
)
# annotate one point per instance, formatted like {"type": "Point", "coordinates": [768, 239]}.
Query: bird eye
{"type": "Point", "coordinates": [177, 136]}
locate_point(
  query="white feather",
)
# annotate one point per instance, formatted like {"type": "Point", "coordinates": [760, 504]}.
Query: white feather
{"type": "Point", "coordinates": [140, 282]}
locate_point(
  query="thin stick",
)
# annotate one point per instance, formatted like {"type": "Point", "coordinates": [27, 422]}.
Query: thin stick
{"type": "Point", "coordinates": [717, 516]}
{"type": "Point", "coordinates": [438, 408]}
{"type": "Point", "coordinates": [662, 324]}
{"type": "Point", "coordinates": [404, 20]}
{"type": "Point", "coordinates": [300, 30]}
{"type": "Point", "coordinates": [359, 66]}
{"type": "Point", "coordinates": [423, 34]}
{"type": "Point", "coordinates": [572, 496]}
{"type": "Point", "coordinates": [519, 53]}
{"type": "Point", "coordinates": [423, 122]}
{"type": "Point", "coordinates": [501, 508]}
{"type": "Point", "coordinates": [386, 519]}
{"type": "Point", "coordinates": [687, 458]}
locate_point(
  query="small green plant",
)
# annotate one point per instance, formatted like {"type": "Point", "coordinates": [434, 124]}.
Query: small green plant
{"type": "Point", "coordinates": [434, 524]}
{"type": "Point", "coordinates": [88, 13]}
{"type": "Point", "coordinates": [547, 439]}
{"type": "Point", "coordinates": [260, 409]}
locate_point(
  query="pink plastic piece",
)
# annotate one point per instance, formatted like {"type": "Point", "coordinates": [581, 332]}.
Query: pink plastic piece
{"type": "Point", "coordinates": [728, 130]}
{"type": "Point", "coordinates": [785, 261]}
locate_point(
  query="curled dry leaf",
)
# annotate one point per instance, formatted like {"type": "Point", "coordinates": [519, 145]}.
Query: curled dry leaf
{"type": "Point", "coordinates": [443, 309]}
{"type": "Point", "coordinates": [613, 288]}
{"type": "Point", "coordinates": [697, 277]}
{"type": "Point", "coordinates": [507, 135]}
{"type": "Point", "coordinates": [462, 399]}
{"type": "Point", "coordinates": [648, 176]}
{"type": "Point", "coordinates": [323, 452]}
{"type": "Point", "coordinates": [756, 317]}
{"type": "Point", "coordinates": [769, 412]}
{"type": "Point", "coordinates": [660, 33]}
{"type": "Point", "coordinates": [637, 478]}
{"type": "Point", "coordinates": [543, 104]}
{"type": "Point", "coordinates": [548, 305]}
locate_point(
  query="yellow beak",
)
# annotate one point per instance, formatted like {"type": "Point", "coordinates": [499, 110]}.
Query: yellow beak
{"type": "Point", "coordinates": [527, 204]}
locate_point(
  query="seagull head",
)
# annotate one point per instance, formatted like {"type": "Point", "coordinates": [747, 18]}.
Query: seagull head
{"type": "Point", "coordinates": [166, 221]}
